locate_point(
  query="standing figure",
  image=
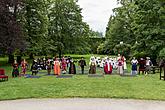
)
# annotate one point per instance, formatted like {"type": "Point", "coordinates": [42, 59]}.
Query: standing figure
{"type": "Point", "coordinates": [142, 64]}
{"type": "Point", "coordinates": [102, 63]}
{"type": "Point", "coordinates": [120, 66]}
{"type": "Point", "coordinates": [15, 72]}
{"type": "Point", "coordinates": [72, 68]}
{"type": "Point", "coordinates": [82, 64]}
{"type": "Point", "coordinates": [108, 67]}
{"type": "Point", "coordinates": [64, 65]}
{"type": "Point", "coordinates": [24, 66]}
{"type": "Point", "coordinates": [44, 63]}
{"type": "Point", "coordinates": [148, 66]}
{"type": "Point", "coordinates": [57, 70]}
{"type": "Point", "coordinates": [92, 65]}
{"type": "Point", "coordinates": [34, 68]}
{"type": "Point", "coordinates": [125, 64]}
{"type": "Point", "coordinates": [49, 66]}
{"type": "Point", "coordinates": [134, 63]}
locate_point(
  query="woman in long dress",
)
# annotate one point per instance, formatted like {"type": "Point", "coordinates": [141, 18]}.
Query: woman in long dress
{"type": "Point", "coordinates": [24, 66]}
{"type": "Point", "coordinates": [57, 70]}
{"type": "Point", "coordinates": [125, 64]}
{"type": "Point", "coordinates": [64, 65]}
{"type": "Point", "coordinates": [120, 66]}
{"type": "Point", "coordinates": [108, 68]}
{"type": "Point", "coordinates": [92, 64]}
{"type": "Point", "coordinates": [72, 68]}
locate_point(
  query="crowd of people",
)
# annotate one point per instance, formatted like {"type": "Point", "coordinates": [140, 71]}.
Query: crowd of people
{"type": "Point", "coordinates": [67, 65]}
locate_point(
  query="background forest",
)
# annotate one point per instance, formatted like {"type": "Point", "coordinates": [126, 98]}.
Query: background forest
{"type": "Point", "coordinates": [56, 27]}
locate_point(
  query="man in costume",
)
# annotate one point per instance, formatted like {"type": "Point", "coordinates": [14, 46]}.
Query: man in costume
{"type": "Point", "coordinates": [49, 66]}
{"type": "Point", "coordinates": [82, 64]}
{"type": "Point", "coordinates": [34, 68]}
{"type": "Point", "coordinates": [134, 63]}
{"type": "Point", "coordinates": [15, 72]}
{"type": "Point", "coordinates": [148, 65]}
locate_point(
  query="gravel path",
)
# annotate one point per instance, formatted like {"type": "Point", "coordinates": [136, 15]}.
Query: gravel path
{"type": "Point", "coordinates": [81, 104]}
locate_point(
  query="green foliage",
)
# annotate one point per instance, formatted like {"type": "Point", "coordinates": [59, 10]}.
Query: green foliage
{"type": "Point", "coordinates": [162, 53]}
{"type": "Point", "coordinates": [100, 49]}
{"type": "Point", "coordinates": [67, 27]}
{"type": "Point", "coordinates": [123, 49]}
{"type": "Point", "coordinates": [138, 23]}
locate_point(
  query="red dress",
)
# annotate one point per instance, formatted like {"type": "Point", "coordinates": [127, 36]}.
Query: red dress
{"type": "Point", "coordinates": [108, 68]}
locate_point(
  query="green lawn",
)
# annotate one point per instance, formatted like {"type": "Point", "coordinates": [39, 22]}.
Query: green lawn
{"type": "Point", "coordinates": [114, 86]}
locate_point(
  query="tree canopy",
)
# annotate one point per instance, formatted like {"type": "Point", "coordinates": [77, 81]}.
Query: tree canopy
{"type": "Point", "coordinates": [138, 23]}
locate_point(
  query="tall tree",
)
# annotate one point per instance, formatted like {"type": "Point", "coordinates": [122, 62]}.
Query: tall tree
{"type": "Point", "coordinates": [67, 29]}
{"type": "Point", "coordinates": [35, 25]}
{"type": "Point", "coordinates": [139, 23]}
{"type": "Point", "coordinates": [10, 29]}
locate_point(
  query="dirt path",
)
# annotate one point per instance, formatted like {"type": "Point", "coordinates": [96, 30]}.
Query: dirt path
{"type": "Point", "coordinates": [81, 104]}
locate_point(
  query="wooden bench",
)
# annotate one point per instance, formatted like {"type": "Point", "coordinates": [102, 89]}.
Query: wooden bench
{"type": "Point", "coordinates": [3, 77]}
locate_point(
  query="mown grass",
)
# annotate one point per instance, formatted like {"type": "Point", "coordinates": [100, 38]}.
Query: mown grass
{"type": "Point", "coordinates": [114, 86]}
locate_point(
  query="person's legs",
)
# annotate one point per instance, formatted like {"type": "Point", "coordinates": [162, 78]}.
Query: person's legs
{"type": "Point", "coordinates": [82, 70]}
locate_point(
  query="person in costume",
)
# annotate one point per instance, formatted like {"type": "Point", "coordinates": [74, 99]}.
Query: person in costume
{"type": "Point", "coordinates": [125, 64]}
{"type": "Point", "coordinates": [148, 66]}
{"type": "Point", "coordinates": [24, 66]}
{"type": "Point", "coordinates": [49, 66]}
{"type": "Point", "coordinates": [82, 64]}
{"type": "Point", "coordinates": [64, 65]}
{"type": "Point", "coordinates": [34, 67]}
{"type": "Point", "coordinates": [102, 63]}
{"type": "Point", "coordinates": [120, 66]}
{"type": "Point", "coordinates": [134, 63]}
{"type": "Point", "coordinates": [92, 65]}
{"type": "Point", "coordinates": [15, 72]}
{"type": "Point", "coordinates": [142, 64]}
{"type": "Point", "coordinates": [57, 70]}
{"type": "Point", "coordinates": [72, 67]}
{"type": "Point", "coordinates": [108, 67]}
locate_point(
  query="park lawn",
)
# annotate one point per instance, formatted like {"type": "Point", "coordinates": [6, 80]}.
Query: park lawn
{"type": "Point", "coordinates": [81, 86]}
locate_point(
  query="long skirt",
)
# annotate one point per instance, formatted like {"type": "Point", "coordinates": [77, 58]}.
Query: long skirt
{"type": "Point", "coordinates": [57, 70]}
{"type": "Point", "coordinates": [125, 66]}
{"type": "Point", "coordinates": [120, 70]}
{"type": "Point", "coordinates": [92, 69]}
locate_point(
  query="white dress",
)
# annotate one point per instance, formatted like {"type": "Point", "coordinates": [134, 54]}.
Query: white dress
{"type": "Point", "coordinates": [125, 65]}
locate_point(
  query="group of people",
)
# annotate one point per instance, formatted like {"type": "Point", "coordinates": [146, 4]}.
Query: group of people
{"type": "Point", "coordinates": [109, 64]}
{"type": "Point", "coordinates": [59, 65]}
{"type": "Point", "coordinates": [67, 65]}
{"type": "Point", "coordinates": [119, 64]}
{"type": "Point", "coordinates": [16, 65]}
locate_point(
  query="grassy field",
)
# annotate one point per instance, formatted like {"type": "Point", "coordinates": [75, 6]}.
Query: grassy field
{"type": "Point", "coordinates": [113, 86]}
